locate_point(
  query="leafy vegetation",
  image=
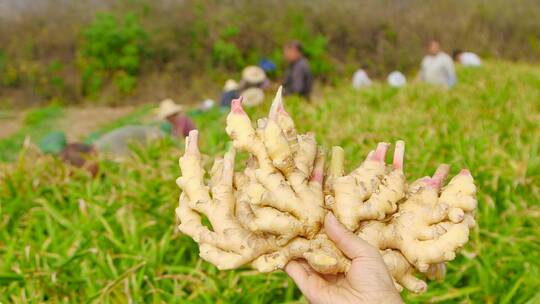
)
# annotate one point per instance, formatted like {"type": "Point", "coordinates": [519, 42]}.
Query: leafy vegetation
{"type": "Point", "coordinates": [37, 122]}
{"type": "Point", "coordinates": [190, 47]}
{"type": "Point", "coordinates": [111, 48]}
{"type": "Point", "coordinates": [69, 238]}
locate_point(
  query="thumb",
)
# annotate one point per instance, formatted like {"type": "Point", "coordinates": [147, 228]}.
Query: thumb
{"type": "Point", "coordinates": [349, 243]}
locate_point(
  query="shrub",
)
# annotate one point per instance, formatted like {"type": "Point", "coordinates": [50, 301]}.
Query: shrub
{"type": "Point", "coordinates": [111, 48]}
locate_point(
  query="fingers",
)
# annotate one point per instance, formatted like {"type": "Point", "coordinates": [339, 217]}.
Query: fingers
{"type": "Point", "coordinates": [305, 277]}
{"type": "Point", "coordinates": [436, 271]}
{"type": "Point", "coordinates": [236, 106]}
{"type": "Point", "coordinates": [191, 144]}
{"type": "Point", "coordinates": [277, 105]}
{"type": "Point", "coordinates": [460, 192]}
{"type": "Point", "coordinates": [318, 168]}
{"type": "Point", "coordinates": [413, 284]}
{"type": "Point", "coordinates": [370, 155]}
{"type": "Point", "coordinates": [306, 154]}
{"type": "Point", "coordinates": [439, 176]}
{"type": "Point", "coordinates": [222, 259]}
{"type": "Point", "coordinates": [228, 167]}
{"type": "Point", "coordinates": [380, 152]}
{"type": "Point", "coordinates": [350, 244]}
{"type": "Point", "coordinates": [336, 164]}
{"type": "Point", "coordinates": [456, 215]}
{"type": "Point", "coordinates": [399, 153]}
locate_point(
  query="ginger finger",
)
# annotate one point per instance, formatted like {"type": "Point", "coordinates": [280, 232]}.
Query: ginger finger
{"type": "Point", "coordinates": [368, 192]}
{"type": "Point", "coordinates": [402, 272]}
{"type": "Point", "coordinates": [319, 252]}
{"type": "Point", "coordinates": [418, 230]}
{"type": "Point", "coordinates": [227, 235]}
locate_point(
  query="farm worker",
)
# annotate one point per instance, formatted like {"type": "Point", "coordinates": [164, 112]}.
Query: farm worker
{"type": "Point", "coordinates": [179, 122]}
{"type": "Point", "coordinates": [368, 280]}
{"type": "Point", "coordinates": [298, 78]}
{"type": "Point", "coordinates": [361, 79]}
{"type": "Point", "coordinates": [252, 86]}
{"type": "Point", "coordinates": [469, 59]}
{"type": "Point", "coordinates": [252, 97]}
{"type": "Point", "coordinates": [117, 143]}
{"type": "Point", "coordinates": [437, 67]}
{"type": "Point", "coordinates": [230, 92]}
{"type": "Point", "coordinates": [396, 79]}
{"type": "Point", "coordinates": [253, 77]}
{"type": "Point", "coordinates": [81, 156]}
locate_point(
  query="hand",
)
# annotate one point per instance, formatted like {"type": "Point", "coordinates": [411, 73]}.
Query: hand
{"type": "Point", "coordinates": [368, 280]}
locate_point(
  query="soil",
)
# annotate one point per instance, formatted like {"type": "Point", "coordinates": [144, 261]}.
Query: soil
{"type": "Point", "coordinates": [10, 124]}
{"type": "Point", "coordinates": [76, 122]}
{"type": "Point", "coordinates": [79, 122]}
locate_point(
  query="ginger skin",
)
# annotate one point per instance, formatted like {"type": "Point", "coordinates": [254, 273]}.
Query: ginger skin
{"type": "Point", "coordinates": [368, 192]}
{"type": "Point", "coordinates": [272, 211]}
{"type": "Point", "coordinates": [426, 230]}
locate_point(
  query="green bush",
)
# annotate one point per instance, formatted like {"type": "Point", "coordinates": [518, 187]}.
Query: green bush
{"type": "Point", "coordinates": [315, 46]}
{"type": "Point", "coordinates": [226, 54]}
{"type": "Point", "coordinates": [111, 48]}
{"type": "Point", "coordinates": [179, 43]}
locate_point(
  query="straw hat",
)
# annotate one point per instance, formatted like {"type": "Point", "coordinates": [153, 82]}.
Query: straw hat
{"type": "Point", "coordinates": [230, 85]}
{"type": "Point", "coordinates": [253, 74]}
{"type": "Point", "coordinates": [253, 97]}
{"type": "Point", "coordinates": [167, 108]}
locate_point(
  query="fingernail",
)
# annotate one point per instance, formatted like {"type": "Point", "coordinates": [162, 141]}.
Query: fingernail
{"type": "Point", "coordinates": [331, 218]}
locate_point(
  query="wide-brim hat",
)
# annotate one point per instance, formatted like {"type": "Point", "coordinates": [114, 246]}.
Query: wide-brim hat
{"type": "Point", "coordinates": [252, 97]}
{"type": "Point", "coordinates": [230, 85]}
{"type": "Point", "coordinates": [167, 108]}
{"type": "Point", "coordinates": [253, 74]}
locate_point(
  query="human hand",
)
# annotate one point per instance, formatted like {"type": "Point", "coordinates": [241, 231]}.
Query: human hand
{"type": "Point", "coordinates": [367, 281]}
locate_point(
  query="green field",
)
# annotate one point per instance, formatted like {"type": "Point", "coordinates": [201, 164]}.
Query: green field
{"type": "Point", "coordinates": [65, 237]}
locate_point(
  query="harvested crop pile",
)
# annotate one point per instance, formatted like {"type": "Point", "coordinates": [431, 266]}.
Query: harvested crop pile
{"type": "Point", "coordinates": [272, 210]}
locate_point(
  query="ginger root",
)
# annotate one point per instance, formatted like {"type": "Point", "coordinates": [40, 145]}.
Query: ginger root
{"type": "Point", "coordinates": [271, 211]}
{"type": "Point", "coordinates": [370, 192]}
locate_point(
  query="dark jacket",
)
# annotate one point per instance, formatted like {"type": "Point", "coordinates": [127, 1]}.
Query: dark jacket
{"type": "Point", "coordinates": [298, 78]}
{"type": "Point", "coordinates": [227, 98]}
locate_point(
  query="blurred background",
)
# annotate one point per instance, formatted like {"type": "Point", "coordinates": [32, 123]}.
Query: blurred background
{"type": "Point", "coordinates": [125, 52]}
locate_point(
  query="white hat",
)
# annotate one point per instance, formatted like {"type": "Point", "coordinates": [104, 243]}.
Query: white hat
{"type": "Point", "coordinates": [253, 74]}
{"type": "Point", "coordinates": [167, 108]}
{"type": "Point", "coordinates": [396, 79]}
{"type": "Point", "coordinates": [230, 85]}
{"type": "Point", "coordinates": [207, 104]}
{"type": "Point", "coordinates": [253, 97]}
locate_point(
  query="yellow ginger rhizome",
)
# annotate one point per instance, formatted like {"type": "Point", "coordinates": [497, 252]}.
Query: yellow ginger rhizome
{"type": "Point", "coordinates": [272, 210]}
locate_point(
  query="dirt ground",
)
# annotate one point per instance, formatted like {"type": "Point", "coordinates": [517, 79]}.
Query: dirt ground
{"type": "Point", "coordinates": [9, 125]}
{"type": "Point", "coordinates": [79, 122]}
{"type": "Point", "coordinates": [76, 122]}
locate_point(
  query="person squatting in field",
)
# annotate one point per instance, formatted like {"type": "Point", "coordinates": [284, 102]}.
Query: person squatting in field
{"type": "Point", "coordinates": [298, 77]}
{"type": "Point", "coordinates": [117, 143]}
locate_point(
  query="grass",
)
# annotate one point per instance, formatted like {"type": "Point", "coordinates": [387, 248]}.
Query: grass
{"type": "Point", "coordinates": [37, 122]}
{"type": "Point", "coordinates": [65, 237]}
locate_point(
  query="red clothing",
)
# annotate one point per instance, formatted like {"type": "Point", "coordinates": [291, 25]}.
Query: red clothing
{"type": "Point", "coordinates": [182, 124]}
